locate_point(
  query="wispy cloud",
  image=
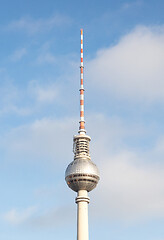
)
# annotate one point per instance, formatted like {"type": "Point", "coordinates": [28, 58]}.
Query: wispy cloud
{"type": "Point", "coordinates": [46, 57]}
{"type": "Point", "coordinates": [18, 54]}
{"type": "Point", "coordinates": [11, 97]}
{"type": "Point", "coordinates": [17, 217]}
{"type": "Point", "coordinates": [40, 140]}
{"type": "Point", "coordinates": [129, 5]}
{"type": "Point", "coordinates": [46, 93]}
{"type": "Point", "coordinates": [40, 218]}
{"type": "Point", "coordinates": [21, 101]}
{"type": "Point", "coordinates": [132, 69]}
{"type": "Point", "coordinates": [33, 26]}
{"type": "Point", "coordinates": [53, 217]}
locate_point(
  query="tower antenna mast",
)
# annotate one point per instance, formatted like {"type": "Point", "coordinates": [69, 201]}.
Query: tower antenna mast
{"type": "Point", "coordinates": [82, 121]}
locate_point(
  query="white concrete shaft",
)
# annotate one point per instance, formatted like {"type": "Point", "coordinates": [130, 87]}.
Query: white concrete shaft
{"type": "Point", "coordinates": [82, 201]}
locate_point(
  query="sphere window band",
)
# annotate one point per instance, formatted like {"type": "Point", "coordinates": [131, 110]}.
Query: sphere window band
{"type": "Point", "coordinates": [82, 181]}
{"type": "Point", "coordinates": [83, 175]}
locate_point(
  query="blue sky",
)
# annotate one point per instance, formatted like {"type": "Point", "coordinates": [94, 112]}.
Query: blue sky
{"type": "Point", "coordinates": [39, 114]}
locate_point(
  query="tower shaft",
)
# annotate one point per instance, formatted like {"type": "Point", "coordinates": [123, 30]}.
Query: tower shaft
{"type": "Point", "coordinates": [82, 201]}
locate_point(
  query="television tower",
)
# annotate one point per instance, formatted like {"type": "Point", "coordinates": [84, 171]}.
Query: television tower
{"type": "Point", "coordinates": [82, 174]}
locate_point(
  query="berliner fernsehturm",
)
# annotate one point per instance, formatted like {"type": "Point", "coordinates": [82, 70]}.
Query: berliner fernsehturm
{"type": "Point", "coordinates": [82, 174]}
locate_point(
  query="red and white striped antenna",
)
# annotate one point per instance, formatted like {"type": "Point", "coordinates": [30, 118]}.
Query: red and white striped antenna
{"type": "Point", "coordinates": [82, 122]}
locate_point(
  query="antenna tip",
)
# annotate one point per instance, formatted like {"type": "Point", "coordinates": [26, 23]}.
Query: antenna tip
{"type": "Point", "coordinates": [81, 30]}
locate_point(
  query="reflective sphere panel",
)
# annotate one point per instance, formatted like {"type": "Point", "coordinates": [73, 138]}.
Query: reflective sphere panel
{"type": "Point", "coordinates": [82, 174]}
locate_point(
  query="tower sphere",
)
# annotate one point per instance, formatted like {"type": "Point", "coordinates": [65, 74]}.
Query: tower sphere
{"type": "Point", "coordinates": [82, 174]}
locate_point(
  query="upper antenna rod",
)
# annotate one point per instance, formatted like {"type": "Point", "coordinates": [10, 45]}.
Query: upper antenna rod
{"type": "Point", "coordinates": [82, 122]}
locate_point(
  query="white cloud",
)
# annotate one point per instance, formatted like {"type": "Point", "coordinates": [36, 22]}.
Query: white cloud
{"type": "Point", "coordinates": [22, 111]}
{"type": "Point", "coordinates": [47, 95]}
{"type": "Point", "coordinates": [16, 217]}
{"type": "Point", "coordinates": [44, 94]}
{"type": "Point", "coordinates": [42, 140]}
{"type": "Point", "coordinates": [130, 191]}
{"type": "Point", "coordinates": [159, 148]}
{"type": "Point", "coordinates": [46, 57]}
{"type": "Point", "coordinates": [132, 69]}
{"type": "Point", "coordinates": [33, 26]}
{"type": "Point", "coordinates": [18, 54]}
{"type": "Point", "coordinates": [23, 102]}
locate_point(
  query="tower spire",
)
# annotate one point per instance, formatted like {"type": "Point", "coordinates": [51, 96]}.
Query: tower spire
{"type": "Point", "coordinates": [82, 122]}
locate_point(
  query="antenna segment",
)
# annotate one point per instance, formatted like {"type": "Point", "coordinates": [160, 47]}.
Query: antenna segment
{"type": "Point", "coordinates": [82, 122]}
